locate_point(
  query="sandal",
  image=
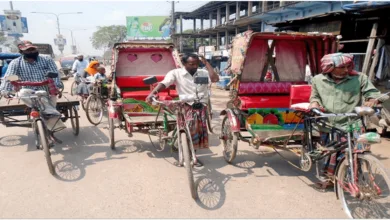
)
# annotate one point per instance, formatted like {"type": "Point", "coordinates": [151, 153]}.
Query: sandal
{"type": "Point", "coordinates": [198, 163]}
{"type": "Point", "coordinates": [327, 184]}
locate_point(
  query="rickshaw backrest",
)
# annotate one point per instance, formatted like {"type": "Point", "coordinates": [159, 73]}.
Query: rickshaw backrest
{"type": "Point", "coordinates": [300, 94]}
{"type": "Point", "coordinates": [258, 88]}
{"type": "Point", "coordinates": [134, 81]}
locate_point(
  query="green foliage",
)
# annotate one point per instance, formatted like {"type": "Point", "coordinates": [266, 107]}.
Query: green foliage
{"type": "Point", "coordinates": [105, 37]}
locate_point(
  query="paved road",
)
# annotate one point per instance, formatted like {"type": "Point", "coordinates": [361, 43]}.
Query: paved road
{"type": "Point", "coordinates": [136, 181]}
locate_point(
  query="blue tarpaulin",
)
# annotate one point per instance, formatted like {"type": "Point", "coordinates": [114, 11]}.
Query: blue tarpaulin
{"type": "Point", "coordinates": [4, 56]}
{"type": "Point", "coordinates": [361, 6]}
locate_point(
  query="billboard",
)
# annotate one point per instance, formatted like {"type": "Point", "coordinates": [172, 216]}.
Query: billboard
{"type": "Point", "coordinates": [13, 23]}
{"type": "Point", "coordinates": [148, 27]}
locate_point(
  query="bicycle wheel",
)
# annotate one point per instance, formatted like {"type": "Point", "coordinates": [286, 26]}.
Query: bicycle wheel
{"type": "Point", "coordinates": [74, 120]}
{"type": "Point", "coordinates": [62, 86]}
{"type": "Point", "coordinates": [94, 109]}
{"type": "Point", "coordinates": [83, 102]}
{"type": "Point", "coordinates": [45, 146]}
{"type": "Point", "coordinates": [229, 140]}
{"type": "Point", "coordinates": [187, 163]}
{"type": "Point", "coordinates": [209, 109]}
{"type": "Point", "coordinates": [73, 88]}
{"type": "Point", "coordinates": [111, 132]}
{"type": "Point", "coordinates": [374, 189]}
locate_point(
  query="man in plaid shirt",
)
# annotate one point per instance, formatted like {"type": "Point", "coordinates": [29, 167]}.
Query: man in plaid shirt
{"type": "Point", "coordinates": [33, 67]}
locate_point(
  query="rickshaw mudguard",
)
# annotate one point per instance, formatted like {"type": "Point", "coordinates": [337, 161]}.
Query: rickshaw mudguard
{"type": "Point", "coordinates": [234, 120]}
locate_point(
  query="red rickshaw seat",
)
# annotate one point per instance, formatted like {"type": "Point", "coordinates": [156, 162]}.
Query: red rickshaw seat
{"type": "Point", "coordinates": [266, 94]}
{"type": "Point", "coordinates": [136, 82]}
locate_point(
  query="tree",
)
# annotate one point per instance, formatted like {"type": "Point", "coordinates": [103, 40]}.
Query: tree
{"type": "Point", "coordinates": [105, 37]}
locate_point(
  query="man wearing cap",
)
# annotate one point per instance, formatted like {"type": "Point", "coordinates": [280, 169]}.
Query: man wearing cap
{"type": "Point", "coordinates": [339, 89]}
{"type": "Point", "coordinates": [33, 67]}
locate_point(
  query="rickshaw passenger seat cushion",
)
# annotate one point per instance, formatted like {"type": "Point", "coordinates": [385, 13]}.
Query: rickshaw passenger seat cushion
{"type": "Point", "coordinates": [265, 101]}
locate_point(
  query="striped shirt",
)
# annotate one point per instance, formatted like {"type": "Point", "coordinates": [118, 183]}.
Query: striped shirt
{"type": "Point", "coordinates": [33, 72]}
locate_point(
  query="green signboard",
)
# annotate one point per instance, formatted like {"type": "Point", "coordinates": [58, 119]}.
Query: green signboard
{"type": "Point", "coordinates": [148, 26]}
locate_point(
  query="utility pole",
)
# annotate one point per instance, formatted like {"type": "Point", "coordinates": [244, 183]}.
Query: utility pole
{"type": "Point", "coordinates": [11, 5]}
{"type": "Point", "coordinates": [173, 17]}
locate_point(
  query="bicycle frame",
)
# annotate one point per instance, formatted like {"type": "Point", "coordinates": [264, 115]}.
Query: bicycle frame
{"type": "Point", "coordinates": [351, 152]}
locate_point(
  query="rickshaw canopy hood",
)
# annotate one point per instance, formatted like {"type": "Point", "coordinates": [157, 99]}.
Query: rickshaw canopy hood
{"type": "Point", "coordinates": [286, 53]}
{"type": "Point", "coordinates": [137, 58]}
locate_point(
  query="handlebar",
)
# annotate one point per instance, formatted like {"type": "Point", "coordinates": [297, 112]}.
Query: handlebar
{"type": "Point", "coordinates": [330, 115]}
{"type": "Point", "coordinates": [28, 83]}
{"type": "Point", "coordinates": [183, 99]}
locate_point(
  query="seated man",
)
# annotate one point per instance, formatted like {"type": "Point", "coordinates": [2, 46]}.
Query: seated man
{"type": "Point", "coordinates": [339, 90]}
{"type": "Point", "coordinates": [183, 78]}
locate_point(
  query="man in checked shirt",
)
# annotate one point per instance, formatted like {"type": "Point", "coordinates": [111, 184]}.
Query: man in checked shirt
{"type": "Point", "coordinates": [33, 67]}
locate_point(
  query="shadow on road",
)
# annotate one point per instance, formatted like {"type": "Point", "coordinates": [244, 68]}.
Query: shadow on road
{"type": "Point", "coordinates": [14, 140]}
{"type": "Point", "coordinates": [77, 152]}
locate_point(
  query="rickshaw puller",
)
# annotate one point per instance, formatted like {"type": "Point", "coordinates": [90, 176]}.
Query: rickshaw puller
{"type": "Point", "coordinates": [183, 78]}
{"type": "Point", "coordinates": [33, 67]}
{"type": "Point", "coordinates": [339, 89]}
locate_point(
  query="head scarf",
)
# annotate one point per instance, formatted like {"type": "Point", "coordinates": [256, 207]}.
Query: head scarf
{"type": "Point", "coordinates": [90, 70]}
{"type": "Point", "coordinates": [330, 61]}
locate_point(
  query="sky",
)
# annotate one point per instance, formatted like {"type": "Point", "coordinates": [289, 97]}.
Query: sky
{"type": "Point", "coordinates": [43, 27]}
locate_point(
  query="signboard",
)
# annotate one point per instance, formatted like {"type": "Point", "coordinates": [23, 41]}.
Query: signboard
{"type": "Point", "coordinates": [45, 49]}
{"type": "Point", "coordinates": [157, 27]}
{"type": "Point", "coordinates": [74, 49]}
{"type": "Point", "coordinates": [60, 40]}
{"type": "Point", "coordinates": [13, 23]}
{"type": "Point", "coordinates": [333, 27]}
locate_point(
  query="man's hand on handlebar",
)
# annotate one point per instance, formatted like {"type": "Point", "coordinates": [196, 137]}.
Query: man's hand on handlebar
{"type": "Point", "coordinates": [371, 103]}
{"type": "Point", "coordinates": [314, 105]}
{"type": "Point", "coordinates": [150, 97]}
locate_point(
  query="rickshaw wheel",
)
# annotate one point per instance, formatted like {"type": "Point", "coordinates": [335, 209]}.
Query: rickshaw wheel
{"type": "Point", "coordinates": [305, 162]}
{"type": "Point", "coordinates": [209, 109]}
{"type": "Point", "coordinates": [62, 88]}
{"type": "Point", "coordinates": [74, 120]}
{"type": "Point", "coordinates": [188, 164]}
{"type": "Point", "coordinates": [73, 88]}
{"type": "Point", "coordinates": [162, 143]}
{"type": "Point", "coordinates": [45, 146]}
{"type": "Point", "coordinates": [94, 109]}
{"type": "Point", "coordinates": [373, 188]}
{"type": "Point", "coordinates": [228, 138]}
{"type": "Point", "coordinates": [83, 102]}
{"type": "Point", "coordinates": [111, 132]}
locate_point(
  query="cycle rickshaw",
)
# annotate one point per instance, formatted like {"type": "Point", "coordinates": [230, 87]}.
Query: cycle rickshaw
{"type": "Point", "coordinates": [272, 111]}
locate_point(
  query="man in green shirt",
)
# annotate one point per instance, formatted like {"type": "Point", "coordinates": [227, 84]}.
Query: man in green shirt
{"type": "Point", "coordinates": [339, 90]}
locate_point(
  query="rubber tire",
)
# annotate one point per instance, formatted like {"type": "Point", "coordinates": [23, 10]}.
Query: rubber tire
{"type": "Point", "coordinates": [343, 165]}
{"type": "Point", "coordinates": [62, 84]}
{"type": "Point", "coordinates": [234, 143]}
{"type": "Point", "coordinates": [45, 146]}
{"type": "Point", "coordinates": [209, 109]}
{"type": "Point", "coordinates": [187, 164]}
{"type": "Point", "coordinates": [71, 88]}
{"type": "Point", "coordinates": [74, 120]}
{"type": "Point", "coordinates": [83, 103]}
{"type": "Point", "coordinates": [111, 132]}
{"type": "Point", "coordinates": [87, 112]}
